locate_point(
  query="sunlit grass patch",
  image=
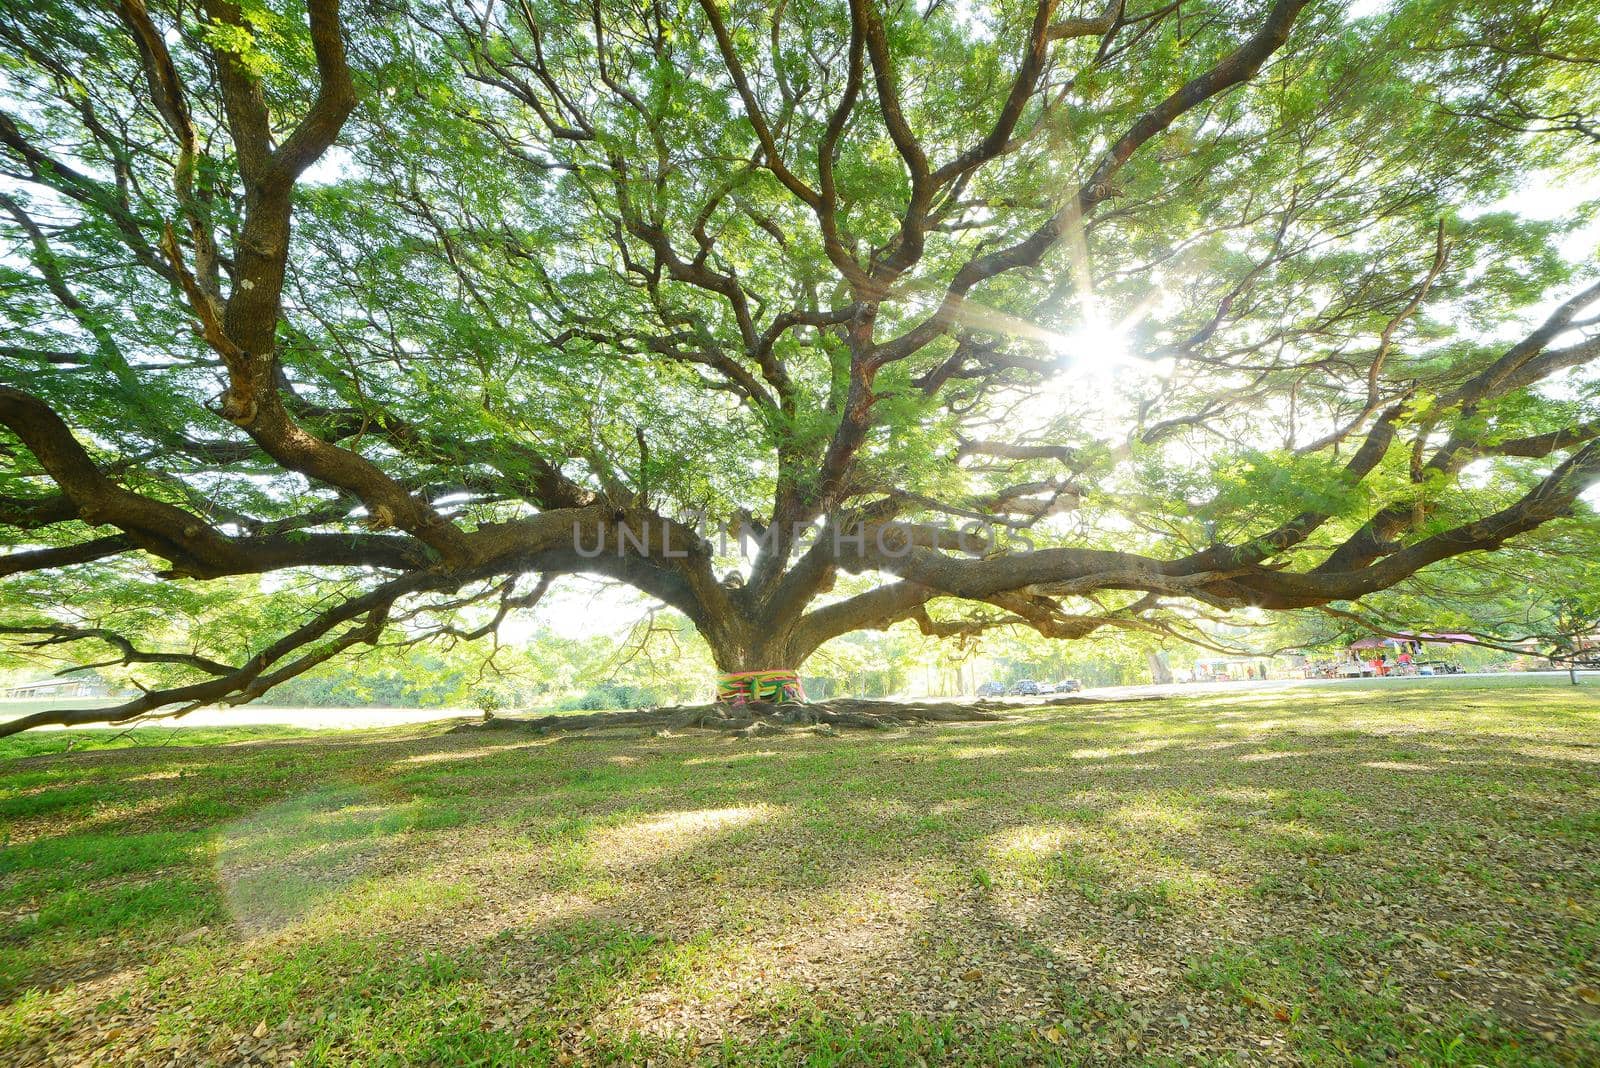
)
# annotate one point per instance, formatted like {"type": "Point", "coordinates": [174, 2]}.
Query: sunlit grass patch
{"type": "Point", "coordinates": [1308, 842]}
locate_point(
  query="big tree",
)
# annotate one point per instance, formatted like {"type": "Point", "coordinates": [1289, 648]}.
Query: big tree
{"type": "Point", "coordinates": [329, 323]}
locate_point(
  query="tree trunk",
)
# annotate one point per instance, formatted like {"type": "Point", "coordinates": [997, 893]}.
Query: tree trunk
{"type": "Point", "coordinates": [753, 654]}
{"type": "Point", "coordinates": [740, 647]}
{"type": "Point", "coordinates": [1159, 672]}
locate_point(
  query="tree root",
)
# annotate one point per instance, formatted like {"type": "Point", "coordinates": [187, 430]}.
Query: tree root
{"type": "Point", "coordinates": [753, 720]}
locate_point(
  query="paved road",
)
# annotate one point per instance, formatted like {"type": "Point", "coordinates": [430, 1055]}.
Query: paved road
{"type": "Point", "coordinates": [266, 715]}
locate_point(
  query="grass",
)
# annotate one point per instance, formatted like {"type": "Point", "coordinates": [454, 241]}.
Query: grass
{"type": "Point", "coordinates": [1325, 875]}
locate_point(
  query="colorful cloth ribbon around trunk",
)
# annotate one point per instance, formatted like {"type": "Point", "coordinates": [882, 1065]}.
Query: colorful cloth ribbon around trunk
{"type": "Point", "coordinates": [775, 687]}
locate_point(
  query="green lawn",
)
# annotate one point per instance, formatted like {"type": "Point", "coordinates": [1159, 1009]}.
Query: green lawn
{"type": "Point", "coordinates": [1323, 875]}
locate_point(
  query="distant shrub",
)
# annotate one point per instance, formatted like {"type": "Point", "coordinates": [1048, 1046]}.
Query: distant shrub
{"type": "Point", "coordinates": [610, 695]}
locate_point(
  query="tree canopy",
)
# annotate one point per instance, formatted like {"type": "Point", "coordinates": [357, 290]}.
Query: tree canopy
{"type": "Point", "coordinates": [333, 324]}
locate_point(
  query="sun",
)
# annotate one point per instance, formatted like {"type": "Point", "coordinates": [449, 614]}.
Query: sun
{"type": "Point", "coordinates": [1099, 369]}
{"type": "Point", "coordinates": [1096, 343]}
{"type": "Point", "coordinates": [1100, 349]}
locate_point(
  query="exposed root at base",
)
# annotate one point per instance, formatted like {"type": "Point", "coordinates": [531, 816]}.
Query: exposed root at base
{"type": "Point", "coordinates": [754, 719]}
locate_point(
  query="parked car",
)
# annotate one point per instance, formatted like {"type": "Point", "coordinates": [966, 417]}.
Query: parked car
{"type": "Point", "coordinates": [992, 689]}
{"type": "Point", "coordinates": [1025, 688]}
{"type": "Point", "coordinates": [1069, 686]}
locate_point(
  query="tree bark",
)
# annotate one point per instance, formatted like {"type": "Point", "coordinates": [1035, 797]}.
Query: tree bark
{"type": "Point", "coordinates": [744, 644]}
